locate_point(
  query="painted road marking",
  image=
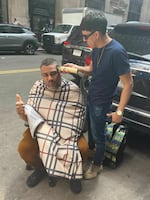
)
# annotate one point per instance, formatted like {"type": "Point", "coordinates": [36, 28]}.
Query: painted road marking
{"type": "Point", "coordinates": [16, 71]}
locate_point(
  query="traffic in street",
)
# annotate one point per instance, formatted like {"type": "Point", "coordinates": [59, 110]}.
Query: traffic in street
{"type": "Point", "coordinates": [130, 180]}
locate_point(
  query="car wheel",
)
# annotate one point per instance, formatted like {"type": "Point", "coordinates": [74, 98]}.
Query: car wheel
{"type": "Point", "coordinates": [29, 48]}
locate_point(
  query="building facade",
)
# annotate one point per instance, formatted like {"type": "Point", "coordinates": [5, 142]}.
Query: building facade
{"type": "Point", "coordinates": [37, 13]}
{"type": "Point", "coordinates": [11, 9]}
{"type": "Point", "coordinates": [145, 14]}
{"type": "Point", "coordinates": [60, 4]}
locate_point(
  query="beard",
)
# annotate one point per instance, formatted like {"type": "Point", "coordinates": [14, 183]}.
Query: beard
{"type": "Point", "coordinates": [54, 84]}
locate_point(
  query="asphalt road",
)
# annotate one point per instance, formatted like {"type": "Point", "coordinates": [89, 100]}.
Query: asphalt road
{"type": "Point", "coordinates": [131, 180]}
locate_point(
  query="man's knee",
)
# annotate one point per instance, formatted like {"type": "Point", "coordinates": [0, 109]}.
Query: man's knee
{"type": "Point", "coordinates": [83, 147]}
{"type": "Point", "coordinates": [28, 147]}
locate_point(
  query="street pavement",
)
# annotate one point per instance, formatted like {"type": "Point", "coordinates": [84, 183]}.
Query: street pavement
{"type": "Point", "coordinates": [130, 181]}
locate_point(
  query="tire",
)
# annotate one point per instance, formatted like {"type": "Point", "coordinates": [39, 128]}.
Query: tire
{"type": "Point", "coordinates": [29, 48]}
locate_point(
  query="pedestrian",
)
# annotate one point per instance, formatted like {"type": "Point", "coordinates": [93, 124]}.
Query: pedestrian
{"type": "Point", "coordinates": [55, 113]}
{"type": "Point", "coordinates": [109, 65]}
{"type": "Point", "coordinates": [16, 22]}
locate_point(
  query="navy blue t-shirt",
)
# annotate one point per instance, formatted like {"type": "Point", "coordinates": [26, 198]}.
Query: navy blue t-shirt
{"type": "Point", "coordinates": [106, 71]}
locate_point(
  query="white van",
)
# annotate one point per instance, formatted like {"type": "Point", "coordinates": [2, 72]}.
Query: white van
{"type": "Point", "coordinates": [53, 41]}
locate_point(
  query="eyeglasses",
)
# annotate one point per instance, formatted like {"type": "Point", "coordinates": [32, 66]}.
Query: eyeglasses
{"type": "Point", "coordinates": [85, 37]}
{"type": "Point", "coordinates": [52, 74]}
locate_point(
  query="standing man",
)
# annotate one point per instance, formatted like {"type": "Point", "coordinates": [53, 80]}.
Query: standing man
{"type": "Point", "coordinates": [58, 105]}
{"type": "Point", "coordinates": [109, 65]}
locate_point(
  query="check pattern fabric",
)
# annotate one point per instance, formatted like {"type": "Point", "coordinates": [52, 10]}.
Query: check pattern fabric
{"type": "Point", "coordinates": [63, 111]}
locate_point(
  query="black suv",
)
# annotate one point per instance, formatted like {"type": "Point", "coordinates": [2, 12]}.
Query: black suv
{"type": "Point", "coordinates": [17, 38]}
{"type": "Point", "coordinates": [135, 37]}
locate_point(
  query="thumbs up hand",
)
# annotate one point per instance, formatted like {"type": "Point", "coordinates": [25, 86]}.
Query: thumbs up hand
{"type": "Point", "coordinates": [18, 98]}
{"type": "Point", "coordinates": [20, 107]}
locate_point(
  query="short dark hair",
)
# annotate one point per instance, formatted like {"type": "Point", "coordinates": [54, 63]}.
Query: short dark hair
{"type": "Point", "coordinates": [48, 61]}
{"type": "Point", "coordinates": [94, 21]}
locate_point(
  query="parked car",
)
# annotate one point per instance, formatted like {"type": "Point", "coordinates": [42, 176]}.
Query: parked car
{"type": "Point", "coordinates": [136, 39]}
{"type": "Point", "coordinates": [17, 38]}
{"type": "Point", "coordinates": [137, 112]}
{"type": "Point", "coordinates": [135, 36]}
{"type": "Point", "coordinates": [52, 42]}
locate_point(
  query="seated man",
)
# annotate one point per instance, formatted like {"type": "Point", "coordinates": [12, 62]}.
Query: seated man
{"type": "Point", "coordinates": [59, 104]}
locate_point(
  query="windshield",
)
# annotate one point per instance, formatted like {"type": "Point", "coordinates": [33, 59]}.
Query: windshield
{"type": "Point", "coordinates": [133, 36]}
{"type": "Point", "coordinates": [62, 28]}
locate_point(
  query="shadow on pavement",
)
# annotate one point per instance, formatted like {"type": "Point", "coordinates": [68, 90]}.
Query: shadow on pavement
{"type": "Point", "coordinates": [18, 190]}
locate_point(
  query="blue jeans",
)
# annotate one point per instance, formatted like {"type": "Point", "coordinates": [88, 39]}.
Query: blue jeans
{"type": "Point", "coordinates": [96, 119]}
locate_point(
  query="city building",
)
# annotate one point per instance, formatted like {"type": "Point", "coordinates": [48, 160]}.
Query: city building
{"type": "Point", "coordinates": [38, 13]}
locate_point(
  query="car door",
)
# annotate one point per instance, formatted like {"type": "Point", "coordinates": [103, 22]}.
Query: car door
{"type": "Point", "coordinates": [11, 37]}
{"type": "Point", "coordinates": [15, 37]}
{"type": "Point", "coordinates": [4, 37]}
{"type": "Point", "coordinates": [137, 111]}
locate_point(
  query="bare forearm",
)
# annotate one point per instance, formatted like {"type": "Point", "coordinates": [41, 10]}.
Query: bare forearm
{"type": "Point", "coordinates": [83, 69]}
{"type": "Point", "coordinates": [124, 98]}
{"type": "Point", "coordinates": [126, 91]}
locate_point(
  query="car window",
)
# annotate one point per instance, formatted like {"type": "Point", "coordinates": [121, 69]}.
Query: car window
{"type": "Point", "coordinates": [16, 30]}
{"type": "Point", "coordinates": [76, 37]}
{"type": "Point", "coordinates": [11, 29]}
{"type": "Point", "coordinates": [62, 29]}
{"type": "Point", "coordinates": [143, 30]}
{"type": "Point", "coordinates": [135, 38]}
{"type": "Point", "coordinates": [4, 29]}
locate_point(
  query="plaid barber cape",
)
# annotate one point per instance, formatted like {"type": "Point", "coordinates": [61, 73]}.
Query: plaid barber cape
{"type": "Point", "coordinates": [63, 112]}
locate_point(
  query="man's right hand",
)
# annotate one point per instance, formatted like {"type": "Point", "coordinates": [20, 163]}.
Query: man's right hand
{"type": "Point", "coordinates": [20, 107]}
